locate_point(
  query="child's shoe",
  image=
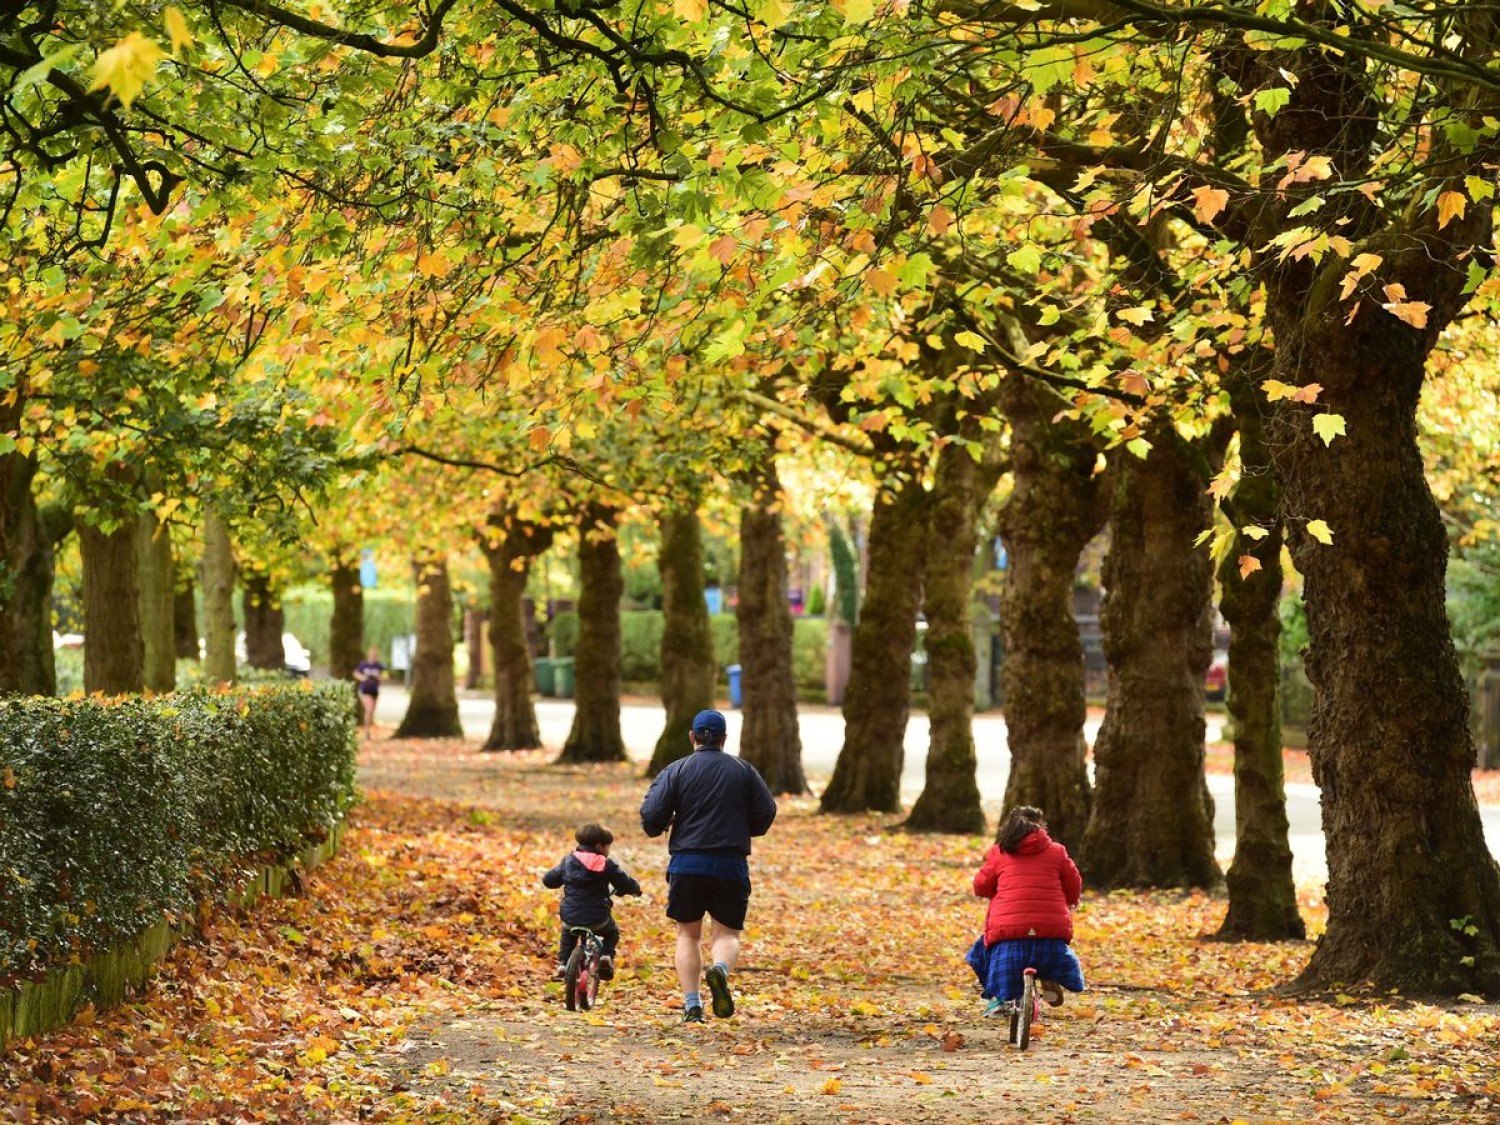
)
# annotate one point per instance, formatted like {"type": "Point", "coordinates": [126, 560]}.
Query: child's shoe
{"type": "Point", "coordinates": [607, 968]}
{"type": "Point", "coordinates": [997, 1007]}
{"type": "Point", "coordinates": [1051, 992]}
{"type": "Point", "coordinates": [561, 971]}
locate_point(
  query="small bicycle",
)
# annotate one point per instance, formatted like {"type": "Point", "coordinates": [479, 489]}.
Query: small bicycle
{"type": "Point", "coordinates": [1025, 1012]}
{"type": "Point", "coordinates": [582, 975]}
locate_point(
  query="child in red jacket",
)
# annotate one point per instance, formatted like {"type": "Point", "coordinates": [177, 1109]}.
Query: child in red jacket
{"type": "Point", "coordinates": [1032, 885]}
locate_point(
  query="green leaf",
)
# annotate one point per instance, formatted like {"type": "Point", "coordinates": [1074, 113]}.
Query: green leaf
{"type": "Point", "coordinates": [1271, 100]}
{"type": "Point", "coordinates": [971, 340]}
{"type": "Point", "coordinates": [1026, 258]}
{"type": "Point", "coordinates": [1328, 426]}
{"type": "Point", "coordinates": [35, 75]}
{"type": "Point", "coordinates": [1139, 446]}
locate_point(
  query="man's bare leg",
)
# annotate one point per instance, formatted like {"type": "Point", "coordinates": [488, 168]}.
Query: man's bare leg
{"type": "Point", "coordinates": [690, 955]}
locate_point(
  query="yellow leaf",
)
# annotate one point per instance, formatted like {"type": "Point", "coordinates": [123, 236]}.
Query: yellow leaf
{"type": "Point", "coordinates": [1451, 205]}
{"type": "Point", "coordinates": [831, 1086]}
{"type": "Point", "coordinates": [692, 11]}
{"type": "Point", "coordinates": [971, 340]}
{"type": "Point", "coordinates": [688, 236]}
{"type": "Point", "coordinates": [1328, 426]}
{"type": "Point", "coordinates": [921, 1079]}
{"type": "Point", "coordinates": [1249, 564]}
{"type": "Point", "coordinates": [1141, 314]}
{"type": "Point", "coordinates": [1254, 531]}
{"type": "Point", "coordinates": [1320, 531]}
{"type": "Point", "coordinates": [1208, 202]}
{"type": "Point", "coordinates": [127, 66]}
{"type": "Point", "coordinates": [859, 11]}
{"type": "Point", "coordinates": [1412, 312]}
{"type": "Point", "coordinates": [177, 29]}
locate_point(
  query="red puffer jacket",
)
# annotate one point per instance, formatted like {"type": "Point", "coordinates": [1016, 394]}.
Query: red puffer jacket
{"type": "Point", "coordinates": [1030, 890]}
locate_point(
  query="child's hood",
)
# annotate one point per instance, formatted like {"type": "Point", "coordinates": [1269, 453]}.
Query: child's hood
{"type": "Point", "coordinates": [1034, 842]}
{"type": "Point", "coordinates": [592, 860]}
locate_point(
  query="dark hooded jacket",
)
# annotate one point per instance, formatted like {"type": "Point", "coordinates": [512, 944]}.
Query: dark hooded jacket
{"type": "Point", "coordinates": [587, 878]}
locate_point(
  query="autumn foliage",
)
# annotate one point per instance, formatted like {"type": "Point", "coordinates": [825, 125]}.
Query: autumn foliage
{"type": "Point", "coordinates": [411, 982]}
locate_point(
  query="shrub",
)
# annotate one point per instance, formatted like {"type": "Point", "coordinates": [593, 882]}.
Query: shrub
{"type": "Point", "coordinates": [562, 633]}
{"type": "Point", "coordinates": [115, 813]}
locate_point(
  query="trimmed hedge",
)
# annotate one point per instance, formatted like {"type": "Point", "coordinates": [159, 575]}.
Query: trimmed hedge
{"type": "Point", "coordinates": [640, 648]}
{"type": "Point", "coordinates": [117, 813]}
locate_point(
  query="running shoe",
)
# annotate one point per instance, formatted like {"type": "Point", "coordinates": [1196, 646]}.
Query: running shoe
{"type": "Point", "coordinates": [718, 984]}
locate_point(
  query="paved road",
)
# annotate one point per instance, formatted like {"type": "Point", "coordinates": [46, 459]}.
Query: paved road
{"type": "Point", "coordinates": [823, 735]}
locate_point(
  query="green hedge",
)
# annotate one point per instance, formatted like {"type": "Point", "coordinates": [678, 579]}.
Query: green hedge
{"type": "Point", "coordinates": [640, 648]}
{"type": "Point", "coordinates": [114, 813]}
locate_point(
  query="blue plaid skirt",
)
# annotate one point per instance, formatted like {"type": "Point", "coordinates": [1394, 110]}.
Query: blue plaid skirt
{"type": "Point", "coordinates": [1001, 967]}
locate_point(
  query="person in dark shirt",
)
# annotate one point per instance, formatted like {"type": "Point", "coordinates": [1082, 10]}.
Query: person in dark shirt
{"type": "Point", "coordinates": [367, 675]}
{"type": "Point", "coordinates": [713, 803]}
{"type": "Point", "coordinates": [587, 876]}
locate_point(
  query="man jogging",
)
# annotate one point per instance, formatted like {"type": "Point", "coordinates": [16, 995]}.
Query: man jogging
{"type": "Point", "coordinates": [714, 804]}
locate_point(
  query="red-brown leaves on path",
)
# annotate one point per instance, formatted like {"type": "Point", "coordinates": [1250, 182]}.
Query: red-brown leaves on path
{"type": "Point", "coordinates": [412, 983]}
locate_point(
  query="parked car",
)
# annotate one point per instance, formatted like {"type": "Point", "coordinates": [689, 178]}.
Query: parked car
{"type": "Point", "coordinates": [1216, 679]}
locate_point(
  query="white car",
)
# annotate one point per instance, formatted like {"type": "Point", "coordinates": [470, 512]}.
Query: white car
{"type": "Point", "coordinates": [298, 658]}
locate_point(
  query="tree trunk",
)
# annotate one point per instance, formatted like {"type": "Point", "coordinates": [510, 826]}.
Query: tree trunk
{"type": "Point", "coordinates": [16, 501]}
{"type": "Point", "coordinates": [264, 624]}
{"type": "Point", "coordinates": [949, 801]}
{"type": "Point", "coordinates": [1262, 892]}
{"type": "Point", "coordinates": [510, 545]}
{"type": "Point", "coordinates": [770, 739]}
{"type": "Point", "coordinates": [1152, 821]}
{"type": "Point", "coordinates": [1056, 507]}
{"type": "Point", "coordinates": [39, 532]}
{"type": "Point", "coordinates": [433, 709]}
{"type": "Point", "coordinates": [877, 699]}
{"type": "Point", "coordinates": [113, 655]}
{"type": "Point", "coordinates": [157, 575]}
{"type": "Point", "coordinates": [1413, 892]}
{"type": "Point", "coordinates": [184, 615]}
{"type": "Point", "coordinates": [688, 672]}
{"type": "Point", "coordinates": [595, 735]}
{"type": "Point", "coordinates": [218, 600]}
{"type": "Point", "coordinates": [346, 628]}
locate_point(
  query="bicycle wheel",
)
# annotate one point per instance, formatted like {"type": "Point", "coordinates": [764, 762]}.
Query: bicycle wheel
{"type": "Point", "coordinates": [1028, 1010]}
{"type": "Point", "coordinates": [591, 989]}
{"type": "Point", "coordinates": [575, 979]}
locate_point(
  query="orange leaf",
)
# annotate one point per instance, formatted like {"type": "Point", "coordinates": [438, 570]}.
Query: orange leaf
{"type": "Point", "coordinates": [1249, 564]}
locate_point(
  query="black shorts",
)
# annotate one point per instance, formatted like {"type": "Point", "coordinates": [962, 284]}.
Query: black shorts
{"type": "Point", "coordinates": [689, 897]}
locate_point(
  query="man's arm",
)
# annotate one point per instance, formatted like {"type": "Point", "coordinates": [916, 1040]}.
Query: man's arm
{"type": "Point", "coordinates": [762, 804]}
{"type": "Point", "coordinates": [656, 809]}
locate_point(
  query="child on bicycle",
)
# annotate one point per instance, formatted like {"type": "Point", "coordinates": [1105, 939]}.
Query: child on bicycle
{"type": "Point", "coordinates": [1033, 886]}
{"type": "Point", "coordinates": [587, 876]}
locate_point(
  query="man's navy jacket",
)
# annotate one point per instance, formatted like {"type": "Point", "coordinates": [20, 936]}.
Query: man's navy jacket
{"type": "Point", "coordinates": [712, 801]}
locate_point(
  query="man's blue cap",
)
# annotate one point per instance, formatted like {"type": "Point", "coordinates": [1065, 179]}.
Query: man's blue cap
{"type": "Point", "coordinates": [710, 727]}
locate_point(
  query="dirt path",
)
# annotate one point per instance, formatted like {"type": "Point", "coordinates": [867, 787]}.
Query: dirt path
{"type": "Point", "coordinates": [855, 1005]}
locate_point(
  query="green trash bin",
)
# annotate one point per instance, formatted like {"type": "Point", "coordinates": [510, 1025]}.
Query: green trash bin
{"type": "Point", "coordinates": [546, 675]}
{"type": "Point", "coordinates": [563, 669]}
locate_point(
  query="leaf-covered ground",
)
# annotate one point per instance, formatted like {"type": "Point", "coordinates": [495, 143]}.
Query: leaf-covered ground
{"type": "Point", "coordinates": [411, 983]}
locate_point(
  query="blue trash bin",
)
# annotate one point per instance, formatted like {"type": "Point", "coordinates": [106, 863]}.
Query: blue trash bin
{"type": "Point", "coordinates": [733, 672]}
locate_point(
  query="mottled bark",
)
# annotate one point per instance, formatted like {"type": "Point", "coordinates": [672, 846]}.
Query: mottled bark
{"type": "Point", "coordinates": [510, 544]}
{"type": "Point", "coordinates": [346, 627]}
{"type": "Point", "coordinates": [41, 531]}
{"type": "Point", "coordinates": [1262, 891]}
{"type": "Point", "coordinates": [770, 739]}
{"type": "Point", "coordinates": [156, 582]}
{"type": "Point", "coordinates": [113, 655]}
{"type": "Point", "coordinates": [1152, 821]}
{"type": "Point", "coordinates": [949, 801]}
{"type": "Point", "coordinates": [595, 735]}
{"type": "Point", "coordinates": [184, 614]}
{"type": "Point", "coordinates": [16, 473]}
{"type": "Point", "coordinates": [219, 569]}
{"type": "Point", "coordinates": [432, 711]}
{"type": "Point", "coordinates": [265, 621]}
{"type": "Point", "coordinates": [877, 699]}
{"type": "Point", "coordinates": [688, 671]}
{"type": "Point", "coordinates": [1389, 737]}
{"type": "Point", "coordinates": [1057, 505]}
